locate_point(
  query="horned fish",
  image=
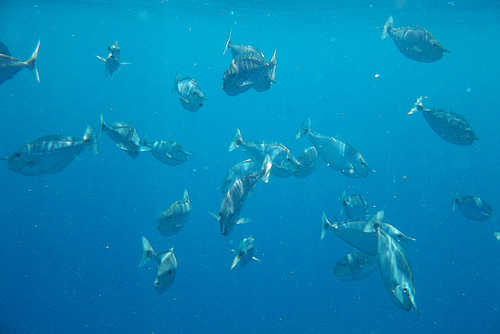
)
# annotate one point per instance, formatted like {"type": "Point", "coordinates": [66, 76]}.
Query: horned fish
{"type": "Point", "coordinates": [167, 151]}
{"type": "Point", "coordinates": [248, 70]}
{"type": "Point", "coordinates": [355, 206]}
{"type": "Point", "coordinates": [112, 61]}
{"type": "Point", "coordinates": [9, 65]}
{"type": "Point", "coordinates": [355, 267]}
{"type": "Point", "coordinates": [238, 49]}
{"type": "Point", "coordinates": [189, 91]}
{"type": "Point", "coordinates": [284, 163]}
{"type": "Point", "coordinates": [396, 272]}
{"type": "Point", "coordinates": [449, 125]}
{"type": "Point", "coordinates": [473, 207]}
{"type": "Point", "coordinates": [414, 42]}
{"type": "Point", "coordinates": [242, 168]}
{"type": "Point", "coordinates": [124, 135]}
{"type": "Point", "coordinates": [167, 265]}
{"type": "Point", "coordinates": [244, 252]}
{"type": "Point", "coordinates": [338, 155]}
{"type": "Point", "coordinates": [236, 196]}
{"type": "Point", "coordinates": [173, 219]}
{"type": "Point", "coordinates": [50, 154]}
{"type": "Point", "coordinates": [309, 161]}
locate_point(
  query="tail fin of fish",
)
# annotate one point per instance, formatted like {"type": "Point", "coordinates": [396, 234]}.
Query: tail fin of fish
{"type": "Point", "coordinates": [455, 201]}
{"type": "Point", "coordinates": [31, 63]}
{"type": "Point", "coordinates": [266, 169]}
{"type": "Point", "coordinates": [497, 235]}
{"type": "Point", "coordinates": [185, 197]}
{"type": "Point", "coordinates": [236, 141]}
{"type": "Point", "coordinates": [236, 260]}
{"type": "Point", "coordinates": [325, 225]}
{"type": "Point", "coordinates": [342, 201]}
{"type": "Point", "coordinates": [417, 106]}
{"type": "Point", "coordinates": [304, 129]}
{"type": "Point", "coordinates": [90, 139]}
{"type": "Point", "coordinates": [102, 127]}
{"type": "Point", "coordinates": [228, 43]}
{"type": "Point", "coordinates": [147, 252]}
{"type": "Point", "coordinates": [176, 82]}
{"type": "Point", "coordinates": [272, 67]}
{"type": "Point", "coordinates": [387, 27]}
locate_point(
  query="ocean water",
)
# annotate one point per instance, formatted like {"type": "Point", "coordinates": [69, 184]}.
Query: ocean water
{"type": "Point", "coordinates": [70, 243]}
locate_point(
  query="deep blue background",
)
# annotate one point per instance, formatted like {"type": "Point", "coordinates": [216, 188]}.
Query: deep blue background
{"type": "Point", "coordinates": [70, 243]}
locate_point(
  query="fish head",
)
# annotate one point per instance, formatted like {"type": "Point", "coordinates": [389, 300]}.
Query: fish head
{"type": "Point", "coordinates": [18, 160]}
{"type": "Point", "coordinates": [164, 281]}
{"type": "Point", "coordinates": [114, 50]}
{"type": "Point", "coordinates": [405, 296]}
{"type": "Point", "coordinates": [344, 268]}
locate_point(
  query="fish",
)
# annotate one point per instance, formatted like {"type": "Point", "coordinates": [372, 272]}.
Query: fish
{"type": "Point", "coordinates": [337, 154]}
{"type": "Point", "coordinates": [355, 206]}
{"type": "Point", "coordinates": [309, 161]}
{"type": "Point", "coordinates": [167, 151]}
{"type": "Point", "coordinates": [125, 136]}
{"type": "Point", "coordinates": [414, 42]}
{"type": "Point", "coordinates": [238, 49]}
{"type": "Point", "coordinates": [396, 272]}
{"type": "Point", "coordinates": [284, 163]}
{"type": "Point", "coordinates": [473, 207]}
{"type": "Point", "coordinates": [236, 196]}
{"type": "Point", "coordinates": [173, 219]}
{"type": "Point", "coordinates": [189, 91]}
{"type": "Point", "coordinates": [356, 266]}
{"type": "Point", "coordinates": [449, 125]}
{"type": "Point", "coordinates": [248, 70]}
{"type": "Point", "coordinates": [242, 168]}
{"type": "Point", "coordinates": [244, 252]}
{"type": "Point", "coordinates": [50, 154]}
{"type": "Point", "coordinates": [112, 61]}
{"type": "Point", "coordinates": [9, 66]}
{"type": "Point", "coordinates": [167, 265]}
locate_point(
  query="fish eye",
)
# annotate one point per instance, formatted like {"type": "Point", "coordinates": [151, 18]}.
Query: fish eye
{"type": "Point", "coordinates": [18, 155]}
{"type": "Point", "coordinates": [405, 290]}
{"type": "Point", "coordinates": [170, 272]}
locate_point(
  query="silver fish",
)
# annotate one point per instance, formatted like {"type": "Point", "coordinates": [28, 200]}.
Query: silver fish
{"type": "Point", "coordinates": [449, 125]}
{"type": "Point", "coordinates": [9, 65]}
{"type": "Point", "coordinates": [244, 252]}
{"type": "Point", "coordinates": [414, 42]}
{"type": "Point", "coordinates": [167, 266]}
{"type": "Point", "coordinates": [242, 168]}
{"type": "Point", "coordinates": [236, 196]}
{"type": "Point", "coordinates": [309, 161]}
{"type": "Point", "coordinates": [284, 163]}
{"type": "Point", "coordinates": [173, 219]}
{"type": "Point", "coordinates": [124, 135]}
{"type": "Point", "coordinates": [167, 151]}
{"type": "Point", "coordinates": [112, 61]}
{"type": "Point", "coordinates": [238, 49]}
{"type": "Point", "coordinates": [355, 206]}
{"type": "Point", "coordinates": [189, 91]}
{"type": "Point", "coordinates": [473, 207]}
{"type": "Point", "coordinates": [355, 267]}
{"type": "Point", "coordinates": [50, 154]}
{"type": "Point", "coordinates": [396, 272]}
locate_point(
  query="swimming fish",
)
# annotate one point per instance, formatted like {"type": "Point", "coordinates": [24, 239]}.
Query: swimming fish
{"type": "Point", "coordinates": [338, 155]}
{"type": "Point", "coordinates": [167, 151]}
{"type": "Point", "coordinates": [112, 61]}
{"type": "Point", "coordinates": [356, 266]}
{"type": "Point", "coordinates": [189, 91]}
{"type": "Point", "coordinates": [355, 206]}
{"type": "Point", "coordinates": [173, 219]}
{"type": "Point", "coordinates": [124, 135]}
{"type": "Point", "coordinates": [449, 125]}
{"type": "Point", "coordinates": [473, 207]}
{"type": "Point", "coordinates": [50, 154]}
{"type": "Point", "coordinates": [414, 42]}
{"type": "Point", "coordinates": [242, 168]}
{"type": "Point", "coordinates": [238, 49]}
{"type": "Point", "coordinates": [167, 266]}
{"type": "Point", "coordinates": [244, 252]}
{"type": "Point", "coordinates": [309, 161]}
{"type": "Point", "coordinates": [9, 65]}
{"type": "Point", "coordinates": [236, 196]}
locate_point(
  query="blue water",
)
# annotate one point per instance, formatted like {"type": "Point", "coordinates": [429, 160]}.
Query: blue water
{"type": "Point", "coordinates": [70, 243]}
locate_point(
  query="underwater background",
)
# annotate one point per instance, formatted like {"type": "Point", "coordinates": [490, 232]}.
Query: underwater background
{"type": "Point", "coordinates": [70, 243]}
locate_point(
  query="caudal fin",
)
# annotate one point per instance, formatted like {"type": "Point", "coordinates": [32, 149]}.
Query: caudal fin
{"type": "Point", "coordinates": [304, 129]}
{"type": "Point", "coordinates": [228, 43]}
{"type": "Point", "coordinates": [236, 141]}
{"type": "Point", "coordinates": [455, 201]}
{"type": "Point", "coordinates": [185, 197]}
{"type": "Point", "coordinates": [176, 82]}
{"type": "Point", "coordinates": [342, 201]}
{"type": "Point", "coordinates": [147, 252]}
{"type": "Point", "coordinates": [31, 63]}
{"type": "Point", "coordinates": [90, 139]}
{"type": "Point", "coordinates": [266, 169]}
{"type": "Point", "coordinates": [387, 27]}
{"type": "Point", "coordinates": [325, 225]}
{"type": "Point", "coordinates": [102, 127]}
{"type": "Point", "coordinates": [272, 67]}
{"type": "Point", "coordinates": [417, 106]}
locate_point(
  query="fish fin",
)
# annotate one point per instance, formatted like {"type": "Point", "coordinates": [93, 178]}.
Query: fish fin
{"type": "Point", "coordinates": [455, 201]}
{"type": "Point", "coordinates": [497, 235]}
{"type": "Point", "coordinates": [176, 82]}
{"type": "Point", "coordinates": [215, 216]}
{"type": "Point", "coordinates": [147, 252]}
{"type": "Point", "coordinates": [374, 222]}
{"type": "Point", "coordinates": [90, 139]}
{"type": "Point", "coordinates": [417, 106]}
{"type": "Point", "coordinates": [342, 201]}
{"type": "Point", "coordinates": [236, 141]}
{"type": "Point", "coordinates": [122, 146]}
{"type": "Point", "coordinates": [387, 27]}
{"type": "Point", "coordinates": [242, 221]}
{"type": "Point", "coordinates": [304, 129]}
{"type": "Point", "coordinates": [266, 169]}
{"type": "Point", "coordinates": [325, 225]}
{"type": "Point", "coordinates": [185, 197]}
{"type": "Point", "coordinates": [256, 259]}
{"type": "Point", "coordinates": [228, 43]}
{"type": "Point", "coordinates": [125, 63]}
{"type": "Point", "coordinates": [102, 127]}
{"type": "Point", "coordinates": [235, 262]}
{"type": "Point", "coordinates": [31, 63]}
{"type": "Point", "coordinates": [272, 67]}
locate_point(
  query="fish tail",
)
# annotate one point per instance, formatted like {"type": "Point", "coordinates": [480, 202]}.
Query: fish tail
{"type": "Point", "coordinates": [266, 169]}
{"type": "Point", "coordinates": [185, 197]}
{"type": "Point", "coordinates": [235, 262]}
{"type": "Point", "coordinates": [176, 82]}
{"type": "Point", "coordinates": [272, 67]}
{"type": "Point", "coordinates": [236, 141]}
{"type": "Point", "coordinates": [31, 63]}
{"type": "Point", "coordinates": [228, 43]}
{"type": "Point", "coordinates": [325, 225]}
{"type": "Point", "coordinates": [304, 129]}
{"type": "Point", "coordinates": [90, 139]}
{"type": "Point", "coordinates": [342, 201]}
{"type": "Point", "coordinates": [455, 201]}
{"type": "Point", "coordinates": [417, 106]}
{"type": "Point", "coordinates": [147, 252]}
{"type": "Point", "coordinates": [387, 27]}
{"type": "Point", "coordinates": [102, 127]}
